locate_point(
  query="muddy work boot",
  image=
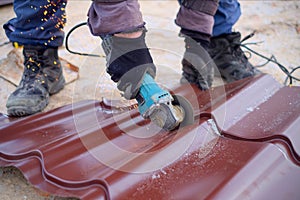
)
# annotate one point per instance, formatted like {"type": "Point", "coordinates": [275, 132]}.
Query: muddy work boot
{"type": "Point", "coordinates": [42, 77]}
{"type": "Point", "coordinates": [229, 58]}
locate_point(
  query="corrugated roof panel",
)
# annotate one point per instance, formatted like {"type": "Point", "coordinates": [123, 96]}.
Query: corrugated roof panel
{"type": "Point", "coordinates": [92, 151]}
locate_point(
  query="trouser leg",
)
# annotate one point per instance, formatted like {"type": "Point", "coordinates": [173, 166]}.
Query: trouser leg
{"type": "Point", "coordinates": [195, 17]}
{"type": "Point", "coordinates": [110, 17]}
{"type": "Point", "coordinates": [227, 15]}
{"type": "Point", "coordinates": [37, 22]}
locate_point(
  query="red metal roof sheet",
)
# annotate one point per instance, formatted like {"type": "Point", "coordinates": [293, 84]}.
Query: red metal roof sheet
{"type": "Point", "coordinates": [92, 151]}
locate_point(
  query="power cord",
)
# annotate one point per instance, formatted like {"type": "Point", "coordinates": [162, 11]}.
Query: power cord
{"type": "Point", "coordinates": [75, 52]}
{"type": "Point", "coordinates": [272, 59]}
{"type": "Point", "coordinates": [4, 43]}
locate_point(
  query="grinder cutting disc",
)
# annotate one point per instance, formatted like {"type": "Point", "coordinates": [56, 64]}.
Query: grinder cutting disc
{"type": "Point", "coordinates": [173, 115]}
{"type": "Point", "coordinates": [187, 107]}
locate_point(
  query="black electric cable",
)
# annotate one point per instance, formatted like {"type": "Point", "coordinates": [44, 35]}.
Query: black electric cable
{"type": "Point", "coordinates": [272, 59]}
{"type": "Point", "coordinates": [4, 43]}
{"type": "Point", "coordinates": [67, 42]}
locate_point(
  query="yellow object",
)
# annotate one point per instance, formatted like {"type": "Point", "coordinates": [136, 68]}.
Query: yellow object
{"type": "Point", "coordinates": [16, 45]}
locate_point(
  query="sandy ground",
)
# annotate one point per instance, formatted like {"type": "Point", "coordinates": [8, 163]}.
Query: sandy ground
{"type": "Point", "coordinates": [277, 26]}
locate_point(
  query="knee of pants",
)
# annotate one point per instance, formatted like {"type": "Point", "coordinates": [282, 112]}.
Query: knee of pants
{"type": "Point", "coordinates": [109, 18]}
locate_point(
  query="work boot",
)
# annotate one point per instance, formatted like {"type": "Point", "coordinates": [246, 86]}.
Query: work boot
{"type": "Point", "coordinates": [42, 77]}
{"type": "Point", "coordinates": [229, 58]}
{"type": "Point", "coordinates": [197, 65]}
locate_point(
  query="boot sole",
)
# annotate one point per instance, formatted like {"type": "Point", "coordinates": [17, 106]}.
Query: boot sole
{"type": "Point", "coordinates": [21, 111]}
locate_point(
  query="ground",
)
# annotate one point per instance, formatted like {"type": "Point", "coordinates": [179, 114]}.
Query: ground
{"type": "Point", "coordinates": [277, 28]}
